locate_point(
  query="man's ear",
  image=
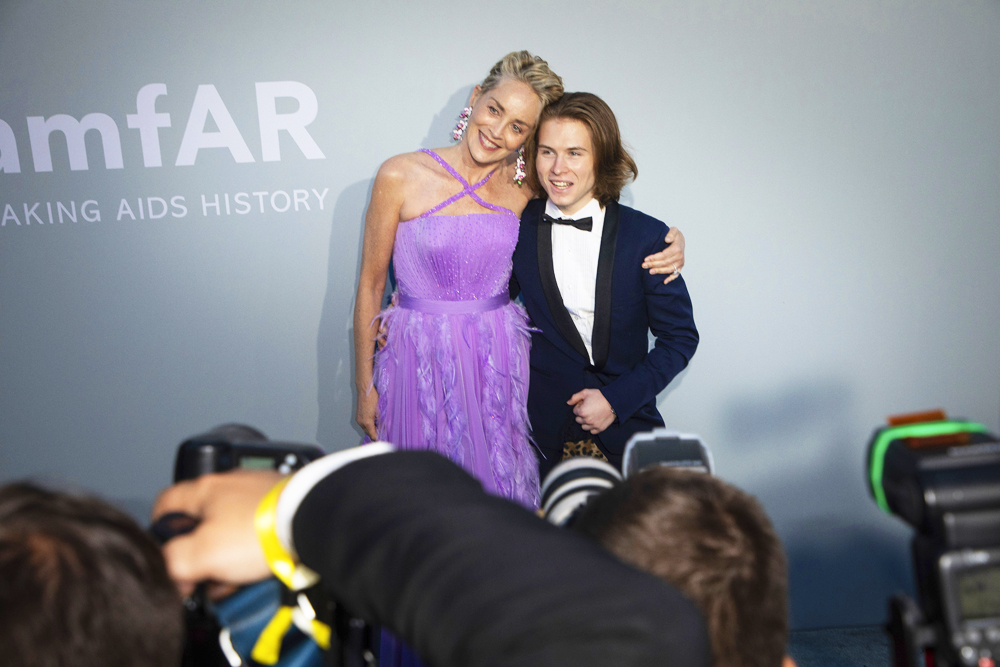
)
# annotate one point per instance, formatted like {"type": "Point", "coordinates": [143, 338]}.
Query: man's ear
{"type": "Point", "coordinates": [788, 662]}
{"type": "Point", "coordinates": [475, 93]}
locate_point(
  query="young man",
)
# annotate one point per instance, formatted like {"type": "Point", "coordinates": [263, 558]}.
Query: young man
{"type": "Point", "coordinates": [578, 266]}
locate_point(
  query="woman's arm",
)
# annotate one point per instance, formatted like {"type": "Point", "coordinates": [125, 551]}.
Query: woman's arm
{"type": "Point", "coordinates": [670, 259]}
{"type": "Point", "coordinates": [381, 221]}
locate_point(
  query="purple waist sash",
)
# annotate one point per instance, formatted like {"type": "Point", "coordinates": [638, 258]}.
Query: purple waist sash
{"type": "Point", "coordinates": [436, 307]}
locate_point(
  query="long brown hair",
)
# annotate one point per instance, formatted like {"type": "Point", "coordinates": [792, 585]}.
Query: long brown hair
{"type": "Point", "coordinates": [613, 165]}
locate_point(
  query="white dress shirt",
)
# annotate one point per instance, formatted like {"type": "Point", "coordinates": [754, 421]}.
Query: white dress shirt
{"type": "Point", "coordinates": [574, 262]}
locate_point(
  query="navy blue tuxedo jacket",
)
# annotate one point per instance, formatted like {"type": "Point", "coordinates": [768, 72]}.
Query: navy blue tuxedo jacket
{"type": "Point", "coordinates": [629, 304]}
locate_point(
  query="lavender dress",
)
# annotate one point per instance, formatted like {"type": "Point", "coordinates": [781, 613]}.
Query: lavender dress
{"type": "Point", "coordinates": [453, 374]}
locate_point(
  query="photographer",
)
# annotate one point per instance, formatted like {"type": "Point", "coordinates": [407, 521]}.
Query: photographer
{"type": "Point", "coordinates": [411, 542]}
{"type": "Point", "coordinates": [713, 542]}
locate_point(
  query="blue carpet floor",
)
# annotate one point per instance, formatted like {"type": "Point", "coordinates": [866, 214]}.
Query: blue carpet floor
{"type": "Point", "coordinates": [865, 646]}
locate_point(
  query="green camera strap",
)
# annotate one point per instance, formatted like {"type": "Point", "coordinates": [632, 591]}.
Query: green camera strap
{"type": "Point", "coordinates": [924, 430]}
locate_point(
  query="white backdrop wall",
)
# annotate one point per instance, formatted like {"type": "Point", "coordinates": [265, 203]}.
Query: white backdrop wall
{"type": "Point", "coordinates": [835, 168]}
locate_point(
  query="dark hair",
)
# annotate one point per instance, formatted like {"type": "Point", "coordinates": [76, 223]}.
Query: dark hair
{"type": "Point", "coordinates": [613, 166]}
{"type": "Point", "coordinates": [81, 584]}
{"type": "Point", "coordinates": [712, 542]}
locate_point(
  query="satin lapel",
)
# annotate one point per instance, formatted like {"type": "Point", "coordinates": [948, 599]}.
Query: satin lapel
{"type": "Point", "coordinates": [602, 294]}
{"type": "Point", "coordinates": [547, 275]}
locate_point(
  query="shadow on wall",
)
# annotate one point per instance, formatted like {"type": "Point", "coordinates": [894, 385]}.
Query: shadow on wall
{"type": "Point", "coordinates": [798, 408]}
{"type": "Point", "coordinates": [439, 133]}
{"type": "Point", "coordinates": [336, 428]}
{"type": "Point", "coordinates": [139, 509]}
{"type": "Point", "coordinates": [799, 446]}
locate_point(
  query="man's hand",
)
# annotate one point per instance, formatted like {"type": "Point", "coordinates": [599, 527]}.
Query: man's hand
{"type": "Point", "coordinates": [383, 331]}
{"type": "Point", "coordinates": [223, 549]}
{"type": "Point", "coordinates": [592, 410]}
{"type": "Point", "coordinates": [670, 259]}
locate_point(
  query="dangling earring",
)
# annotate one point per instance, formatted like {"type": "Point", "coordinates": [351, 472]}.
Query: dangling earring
{"type": "Point", "coordinates": [519, 172]}
{"type": "Point", "coordinates": [463, 122]}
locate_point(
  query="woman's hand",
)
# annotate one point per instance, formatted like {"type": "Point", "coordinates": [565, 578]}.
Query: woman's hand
{"type": "Point", "coordinates": [367, 416]}
{"type": "Point", "coordinates": [669, 260]}
{"type": "Point", "coordinates": [381, 221]}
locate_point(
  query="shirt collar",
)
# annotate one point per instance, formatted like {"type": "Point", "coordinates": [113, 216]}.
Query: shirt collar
{"type": "Point", "coordinates": [592, 209]}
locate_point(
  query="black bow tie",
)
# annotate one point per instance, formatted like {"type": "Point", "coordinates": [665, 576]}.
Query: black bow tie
{"type": "Point", "coordinates": [583, 224]}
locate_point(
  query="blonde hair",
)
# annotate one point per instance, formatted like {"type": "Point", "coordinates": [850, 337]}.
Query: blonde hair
{"type": "Point", "coordinates": [529, 69]}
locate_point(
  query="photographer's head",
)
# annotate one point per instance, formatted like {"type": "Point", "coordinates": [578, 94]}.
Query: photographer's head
{"type": "Point", "coordinates": [711, 541]}
{"type": "Point", "coordinates": [81, 584]}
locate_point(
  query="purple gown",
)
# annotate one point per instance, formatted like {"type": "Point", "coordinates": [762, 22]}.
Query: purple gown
{"type": "Point", "coordinates": [453, 374]}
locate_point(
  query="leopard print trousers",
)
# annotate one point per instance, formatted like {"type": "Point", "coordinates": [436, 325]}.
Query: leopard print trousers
{"type": "Point", "coordinates": [582, 448]}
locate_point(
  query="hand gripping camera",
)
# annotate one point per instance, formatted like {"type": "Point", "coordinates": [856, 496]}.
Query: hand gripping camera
{"type": "Point", "coordinates": [943, 478]}
{"type": "Point", "coordinates": [243, 628]}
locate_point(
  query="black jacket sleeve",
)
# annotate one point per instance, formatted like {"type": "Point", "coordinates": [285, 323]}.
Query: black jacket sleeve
{"type": "Point", "coordinates": [410, 541]}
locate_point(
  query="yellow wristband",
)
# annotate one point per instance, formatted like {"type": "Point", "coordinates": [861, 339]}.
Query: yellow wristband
{"type": "Point", "coordinates": [293, 575]}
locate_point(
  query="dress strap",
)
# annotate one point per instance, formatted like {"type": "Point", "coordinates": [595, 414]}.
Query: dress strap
{"type": "Point", "coordinates": [492, 207]}
{"type": "Point", "coordinates": [451, 170]}
{"type": "Point", "coordinates": [467, 190]}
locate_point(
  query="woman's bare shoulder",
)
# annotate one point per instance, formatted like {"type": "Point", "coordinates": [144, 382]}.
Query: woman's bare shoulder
{"type": "Point", "coordinates": [399, 167]}
{"type": "Point", "coordinates": [407, 168]}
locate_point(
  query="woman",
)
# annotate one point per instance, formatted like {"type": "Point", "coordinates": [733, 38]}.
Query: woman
{"type": "Point", "coordinates": [452, 375]}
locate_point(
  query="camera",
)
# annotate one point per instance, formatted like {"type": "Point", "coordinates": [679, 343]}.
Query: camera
{"type": "Point", "coordinates": [227, 632]}
{"type": "Point", "coordinates": [664, 447]}
{"type": "Point", "coordinates": [233, 446]}
{"type": "Point", "coordinates": [942, 477]}
{"type": "Point", "coordinates": [568, 487]}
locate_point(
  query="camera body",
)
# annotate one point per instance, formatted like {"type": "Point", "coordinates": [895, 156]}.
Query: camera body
{"type": "Point", "coordinates": [943, 478]}
{"type": "Point", "coordinates": [233, 446]}
{"type": "Point", "coordinates": [662, 446]}
{"type": "Point", "coordinates": [571, 484]}
{"type": "Point", "coordinates": [225, 632]}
